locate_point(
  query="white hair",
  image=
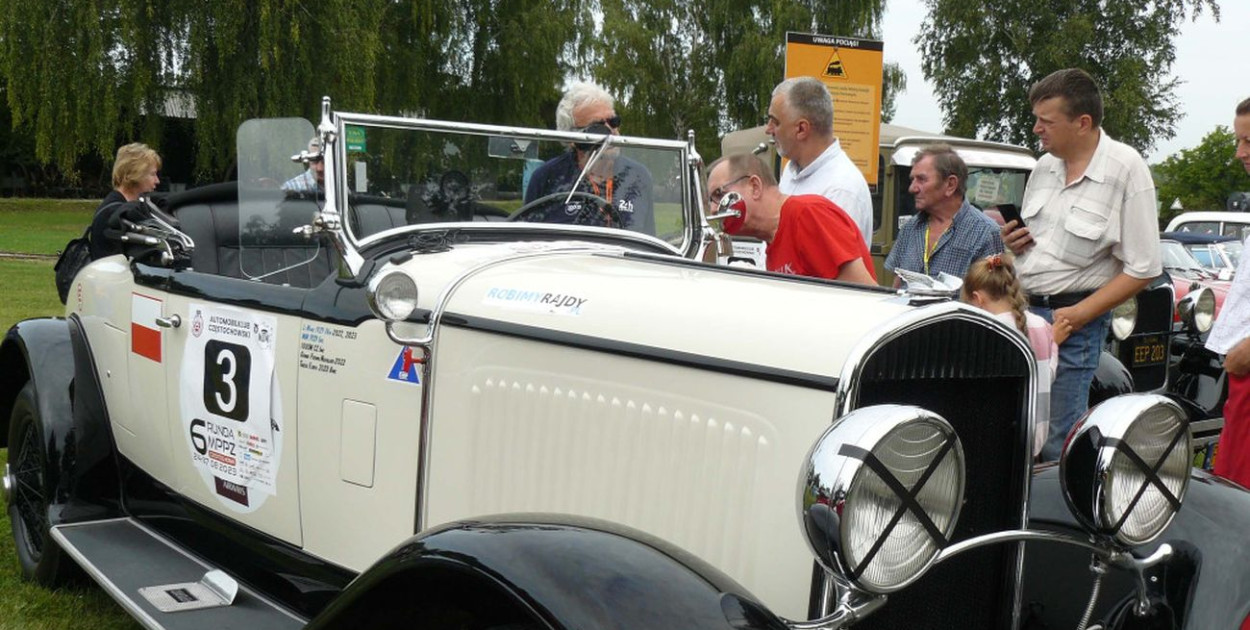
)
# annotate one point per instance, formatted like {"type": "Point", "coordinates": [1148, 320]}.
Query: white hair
{"type": "Point", "coordinates": [577, 95]}
{"type": "Point", "coordinates": [808, 98]}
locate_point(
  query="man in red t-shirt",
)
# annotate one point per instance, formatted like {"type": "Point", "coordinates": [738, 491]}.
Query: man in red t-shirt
{"type": "Point", "coordinates": [806, 234]}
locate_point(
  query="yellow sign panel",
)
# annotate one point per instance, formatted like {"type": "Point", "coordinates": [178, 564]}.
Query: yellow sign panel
{"type": "Point", "coordinates": [851, 68]}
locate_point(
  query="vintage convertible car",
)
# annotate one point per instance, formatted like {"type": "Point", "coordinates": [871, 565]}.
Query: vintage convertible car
{"type": "Point", "coordinates": [416, 400]}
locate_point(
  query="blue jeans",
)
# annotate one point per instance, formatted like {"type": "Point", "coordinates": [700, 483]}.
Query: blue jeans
{"type": "Point", "coordinates": [1069, 396]}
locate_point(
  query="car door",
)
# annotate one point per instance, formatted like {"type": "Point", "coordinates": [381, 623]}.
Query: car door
{"type": "Point", "coordinates": [232, 392]}
{"type": "Point", "coordinates": [119, 318]}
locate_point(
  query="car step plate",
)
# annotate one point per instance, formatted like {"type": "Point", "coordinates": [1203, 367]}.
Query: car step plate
{"type": "Point", "coordinates": [131, 561]}
{"type": "Point", "coordinates": [213, 590]}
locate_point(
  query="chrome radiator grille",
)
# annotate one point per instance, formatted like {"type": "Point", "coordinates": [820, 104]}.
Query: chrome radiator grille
{"type": "Point", "coordinates": [978, 380]}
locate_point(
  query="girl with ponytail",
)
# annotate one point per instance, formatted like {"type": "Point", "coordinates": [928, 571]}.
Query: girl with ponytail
{"type": "Point", "coordinates": [992, 285]}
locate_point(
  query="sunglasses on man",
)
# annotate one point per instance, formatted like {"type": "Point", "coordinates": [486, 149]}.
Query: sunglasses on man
{"type": "Point", "coordinates": [614, 122]}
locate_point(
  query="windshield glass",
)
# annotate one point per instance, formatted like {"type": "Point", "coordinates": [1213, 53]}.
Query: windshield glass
{"type": "Point", "coordinates": [989, 188]}
{"type": "Point", "coordinates": [1202, 254]}
{"type": "Point", "coordinates": [1233, 249]}
{"type": "Point", "coordinates": [398, 177]}
{"type": "Point", "coordinates": [277, 196]}
{"type": "Point", "coordinates": [1176, 256]}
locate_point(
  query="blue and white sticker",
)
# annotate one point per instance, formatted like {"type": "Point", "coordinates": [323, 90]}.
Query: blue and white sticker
{"type": "Point", "coordinates": [535, 301]}
{"type": "Point", "coordinates": [407, 368]}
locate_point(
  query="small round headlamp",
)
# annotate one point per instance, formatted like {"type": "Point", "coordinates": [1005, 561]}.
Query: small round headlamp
{"type": "Point", "coordinates": [880, 494]}
{"type": "Point", "coordinates": [1197, 309]}
{"type": "Point", "coordinates": [1124, 319]}
{"type": "Point", "coordinates": [392, 295]}
{"type": "Point", "coordinates": [1125, 467]}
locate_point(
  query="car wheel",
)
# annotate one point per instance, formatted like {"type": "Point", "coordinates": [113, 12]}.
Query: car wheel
{"type": "Point", "coordinates": [41, 559]}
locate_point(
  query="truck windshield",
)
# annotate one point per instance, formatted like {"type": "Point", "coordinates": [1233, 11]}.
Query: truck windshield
{"type": "Point", "coordinates": [992, 187]}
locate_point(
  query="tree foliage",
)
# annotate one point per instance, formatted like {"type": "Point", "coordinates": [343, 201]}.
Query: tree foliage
{"type": "Point", "coordinates": [1202, 177]}
{"type": "Point", "coordinates": [711, 67]}
{"type": "Point", "coordinates": [83, 76]}
{"type": "Point", "coordinates": [983, 56]}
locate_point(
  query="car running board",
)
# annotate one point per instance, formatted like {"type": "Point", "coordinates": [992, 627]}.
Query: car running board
{"type": "Point", "coordinates": [134, 563]}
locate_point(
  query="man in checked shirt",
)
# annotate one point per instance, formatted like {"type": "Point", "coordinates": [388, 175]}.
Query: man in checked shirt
{"type": "Point", "coordinates": [1092, 239]}
{"type": "Point", "coordinates": [948, 234]}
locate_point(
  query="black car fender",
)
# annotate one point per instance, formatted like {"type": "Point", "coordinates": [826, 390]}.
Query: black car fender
{"type": "Point", "coordinates": [55, 355]}
{"type": "Point", "coordinates": [1204, 584]}
{"type": "Point", "coordinates": [38, 350]}
{"type": "Point", "coordinates": [542, 571]}
{"type": "Point", "coordinates": [1111, 379]}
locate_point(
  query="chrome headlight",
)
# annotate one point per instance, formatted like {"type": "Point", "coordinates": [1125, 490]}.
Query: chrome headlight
{"type": "Point", "coordinates": [392, 295]}
{"type": "Point", "coordinates": [880, 494]}
{"type": "Point", "coordinates": [1125, 468]}
{"type": "Point", "coordinates": [1197, 309]}
{"type": "Point", "coordinates": [1124, 319]}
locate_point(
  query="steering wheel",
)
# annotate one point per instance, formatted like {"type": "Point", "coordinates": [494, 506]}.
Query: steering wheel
{"type": "Point", "coordinates": [600, 213]}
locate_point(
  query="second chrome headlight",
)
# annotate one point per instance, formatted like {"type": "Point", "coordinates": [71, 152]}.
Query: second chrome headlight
{"type": "Point", "coordinates": [1125, 468]}
{"type": "Point", "coordinates": [1197, 309]}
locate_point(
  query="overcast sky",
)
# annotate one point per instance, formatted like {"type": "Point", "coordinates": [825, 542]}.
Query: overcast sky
{"type": "Point", "coordinates": [1212, 61]}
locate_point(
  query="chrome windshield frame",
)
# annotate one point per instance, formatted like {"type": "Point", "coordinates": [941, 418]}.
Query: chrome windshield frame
{"type": "Point", "coordinates": [336, 170]}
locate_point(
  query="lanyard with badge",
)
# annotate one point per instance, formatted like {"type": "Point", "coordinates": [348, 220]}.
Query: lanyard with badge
{"type": "Point", "coordinates": [595, 189]}
{"type": "Point", "coordinates": [926, 254]}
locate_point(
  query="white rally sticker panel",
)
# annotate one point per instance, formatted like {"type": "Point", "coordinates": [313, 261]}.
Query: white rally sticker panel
{"type": "Point", "coordinates": [231, 407]}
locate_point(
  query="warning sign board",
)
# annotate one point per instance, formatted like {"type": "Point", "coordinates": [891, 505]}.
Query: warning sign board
{"type": "Point", "coordinates": [851, 68]}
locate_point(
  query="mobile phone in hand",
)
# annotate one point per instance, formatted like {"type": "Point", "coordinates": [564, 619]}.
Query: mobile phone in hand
{"type": "Point", "coordinates": [1011, 213]}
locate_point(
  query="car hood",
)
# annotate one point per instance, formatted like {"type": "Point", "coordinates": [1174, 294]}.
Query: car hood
{"type": "Point", "coordinates": [655, 301]}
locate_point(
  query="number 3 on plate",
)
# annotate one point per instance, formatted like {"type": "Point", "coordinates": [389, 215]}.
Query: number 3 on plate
{"type": "Point", "coordinates": [227, 372]}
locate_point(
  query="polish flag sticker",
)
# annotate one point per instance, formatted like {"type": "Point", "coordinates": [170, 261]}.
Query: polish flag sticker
{"type": "Point", "coordinates": [145, 337]}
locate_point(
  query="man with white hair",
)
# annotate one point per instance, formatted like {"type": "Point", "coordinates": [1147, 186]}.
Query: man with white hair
{"type": "Point", "coordinates": [800, 120]}
{"type": "Point", "coordinates": [624, 184]}
{"type": "Point", "coordinates": [311, 181]}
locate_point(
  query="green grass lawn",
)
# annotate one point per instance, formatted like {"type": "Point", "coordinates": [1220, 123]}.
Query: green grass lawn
{"type": "Point", "coordinates": [23, 605]}
{"type": "Point", "coordinates": [29, 292]}
{"type": "Point", "coordinates": [42, 226]}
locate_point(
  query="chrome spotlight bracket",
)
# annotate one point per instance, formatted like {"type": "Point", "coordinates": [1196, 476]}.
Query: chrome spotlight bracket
{"type": "Point", "coordinates": [853, 605]}
{"type": "Point", "coordinates": [1103, 552]}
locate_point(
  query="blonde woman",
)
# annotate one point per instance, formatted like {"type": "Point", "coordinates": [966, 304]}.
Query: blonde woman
{"type": "Point", "coordinates": [134, 174]}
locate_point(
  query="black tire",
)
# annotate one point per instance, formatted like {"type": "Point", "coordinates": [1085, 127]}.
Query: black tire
{"type": "Point", "coordinates": [40, 558]}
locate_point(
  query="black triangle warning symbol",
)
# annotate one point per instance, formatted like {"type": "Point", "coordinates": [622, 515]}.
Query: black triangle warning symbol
{"type": "Point", "coordinates": [834, 69]}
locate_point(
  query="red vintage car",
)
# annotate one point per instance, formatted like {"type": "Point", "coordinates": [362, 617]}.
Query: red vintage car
{"type": "Point", "coordinates": [1189, 274]}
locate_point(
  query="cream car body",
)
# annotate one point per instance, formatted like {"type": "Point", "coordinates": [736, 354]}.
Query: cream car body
{"type": "Point", "coordinates": [355, 403]}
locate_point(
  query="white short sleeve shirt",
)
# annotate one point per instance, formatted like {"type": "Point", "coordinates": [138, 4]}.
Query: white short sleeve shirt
{"type": "Point", "coordinates": [1089, 231]}
{"type": "Point", "coordinates": [835, 177]}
